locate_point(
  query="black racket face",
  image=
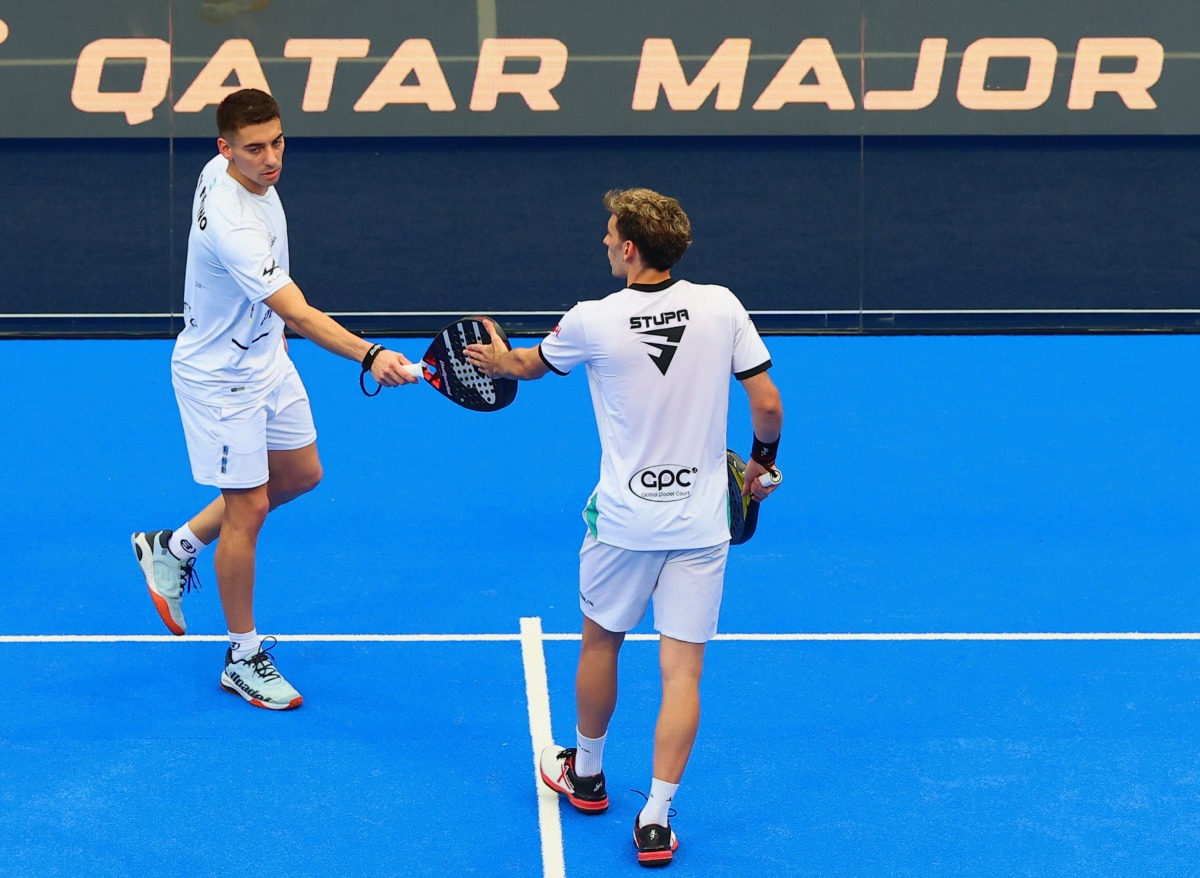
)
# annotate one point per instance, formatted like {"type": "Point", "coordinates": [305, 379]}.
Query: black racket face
{"type": "Point", "coordinates": [448, 371]}
{"type": "Point", "coordinates": [743, 512]}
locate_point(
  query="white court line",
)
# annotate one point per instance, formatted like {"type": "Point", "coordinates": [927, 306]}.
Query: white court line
{"type": "Point", "coordinates": [900, 636]}
{"type": "Point", "coordinates": [106, 315]}
{"type": "Point", "coordinates": [974, 635]}
{"type": "Point", "coordinates": [292, 638]}
{"type": "Point", "coordinates": [537, 693]}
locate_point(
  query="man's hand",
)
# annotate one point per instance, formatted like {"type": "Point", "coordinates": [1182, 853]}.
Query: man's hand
{"type": "Point", "coordinates": [752, 486]}
{"type": "Point", "coordinates": [388, 369]}
{"type": "Point", "coordinates": [486, 357]}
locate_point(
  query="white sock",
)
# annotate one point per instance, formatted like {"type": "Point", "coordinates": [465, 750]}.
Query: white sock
{"type": "Point", "coordinates": [184, 544]}
{"type": "Point", "coordinates": [589, 754]}
{"type": "Point", "coordinates": [658, 805]}
{"type": "Point", "coordinates": [244, 645]}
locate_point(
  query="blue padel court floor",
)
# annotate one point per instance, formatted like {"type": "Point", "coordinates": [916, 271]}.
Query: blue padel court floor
{"type": "Point", "coordinates": [963, 642]}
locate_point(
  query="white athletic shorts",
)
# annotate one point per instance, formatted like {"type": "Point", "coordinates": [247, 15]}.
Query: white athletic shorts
{"type": "Point", "coordinates": [616, 586]}
{"type": "Point", "coordinates": [227, 444]}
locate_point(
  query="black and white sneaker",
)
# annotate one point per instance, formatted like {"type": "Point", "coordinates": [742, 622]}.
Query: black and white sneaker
{"type": "Point", "coordinates": [655, 844]}
{"type": "Point", "coordinates": [557, 767]}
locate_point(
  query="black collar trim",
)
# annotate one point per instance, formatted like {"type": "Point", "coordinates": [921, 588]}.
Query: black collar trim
{"type": "Point", "coordinates": [654, 288]}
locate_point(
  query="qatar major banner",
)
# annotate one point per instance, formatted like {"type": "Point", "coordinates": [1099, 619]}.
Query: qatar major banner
{"type": "Point", "coordinates": [156, 68]}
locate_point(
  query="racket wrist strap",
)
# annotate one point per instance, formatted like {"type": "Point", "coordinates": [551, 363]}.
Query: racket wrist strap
{"type": "Point", "coordinates": [369, 358]}
{"type": "Point", "coordinates": [765, 453]}
{"type": "Point", "coordinates": [367, 361]}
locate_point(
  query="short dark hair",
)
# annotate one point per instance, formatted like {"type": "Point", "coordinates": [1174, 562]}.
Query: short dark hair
{"type": "Point", "coordinates": [245, 107]}
{"type": "Point", "coordinates": [655, 223]}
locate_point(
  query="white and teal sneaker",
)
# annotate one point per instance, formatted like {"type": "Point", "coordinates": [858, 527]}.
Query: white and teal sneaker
{"type": "Point", "coordinates": [166, 576]}
{"type": "Point", "coordinates": [258, 680]}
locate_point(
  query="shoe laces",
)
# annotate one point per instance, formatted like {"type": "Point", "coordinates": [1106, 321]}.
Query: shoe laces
{"type": "Point", "coordinates": [188, 577]}
{"type": "Point", "coordinates": [261, 661]}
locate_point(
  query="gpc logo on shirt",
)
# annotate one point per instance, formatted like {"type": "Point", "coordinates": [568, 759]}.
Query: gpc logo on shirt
{"type": "Point", "coordinates": [663, 483]}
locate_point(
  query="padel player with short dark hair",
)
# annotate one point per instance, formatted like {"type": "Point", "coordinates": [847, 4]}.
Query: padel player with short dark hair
{"type": "Point", "coordinates": [658, 354]}
{"type": "Point", "coordinates": [245, 412]}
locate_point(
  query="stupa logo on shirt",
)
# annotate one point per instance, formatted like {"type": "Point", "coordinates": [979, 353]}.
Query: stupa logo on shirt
{"type": "Point", "coordinates": [665, 340]}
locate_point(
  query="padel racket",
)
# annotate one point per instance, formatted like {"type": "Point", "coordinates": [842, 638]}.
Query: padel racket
{"type": "Point", "coordinates": [743, 511]}
{"type": "Point", "coordinates": [447, 370]}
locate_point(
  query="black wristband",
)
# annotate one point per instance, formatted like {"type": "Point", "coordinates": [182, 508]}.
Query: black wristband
{"type": "Point", "coordinates": [370, 356]}
{"type": "Point", "coordinates": [765, 452]}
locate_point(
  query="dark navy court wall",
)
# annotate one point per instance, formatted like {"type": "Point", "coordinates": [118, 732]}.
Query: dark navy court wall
{"type": "Point", "coordinates": [843, 234]}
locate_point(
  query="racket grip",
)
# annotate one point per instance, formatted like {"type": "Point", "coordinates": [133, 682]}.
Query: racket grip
{"type": "Point", "coordinates": [413, 369]}
{"type": "Point", "coordinates": [771, 478]}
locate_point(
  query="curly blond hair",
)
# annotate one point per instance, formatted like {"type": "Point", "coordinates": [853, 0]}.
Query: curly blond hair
{"type": "Point", "coordinates": [655, 223]}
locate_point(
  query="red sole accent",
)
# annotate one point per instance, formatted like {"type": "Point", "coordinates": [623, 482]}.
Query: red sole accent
{"type": "Point", "coordinates": [165, 613]}
{"type": "Point", "coordinates": [588, 807]}
{"type": "Point", "coordinates": [294, 703]}
{"type": "Point", "coordinates": [658, 858]}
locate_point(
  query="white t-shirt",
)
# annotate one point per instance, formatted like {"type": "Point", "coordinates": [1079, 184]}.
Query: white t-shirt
{"type": "Point", "coordinates": [658, 361]}
{"type": "Point", "coordinates": [237, 256]}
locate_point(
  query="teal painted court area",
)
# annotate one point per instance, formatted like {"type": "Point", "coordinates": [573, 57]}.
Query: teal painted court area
{"type": "Point", "coordinates": [962, 642]}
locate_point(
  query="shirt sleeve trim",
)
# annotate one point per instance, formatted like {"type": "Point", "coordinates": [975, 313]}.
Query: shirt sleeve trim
{"type": "Point", "coordinates": [749, 373]}
{"type": "Point", "coordinates": [550, 365]}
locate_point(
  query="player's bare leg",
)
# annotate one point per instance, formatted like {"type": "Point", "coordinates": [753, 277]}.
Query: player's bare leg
{"type": "Point", "coordinates": [242, 520]}
{"type": "Point", "coordinates": [678, 721]}
{"type": "Point", "coordinates": [206, 524]}
{"type": "Point", "coordinates": [292, 474]}
{"type": "Point", "coordinates": [595, 701]}
{"type": "Point", "coordinates": [679, 714]}
{"type": "Point", "coordinates": [251, 674]}
{"type": "Point", "coordinates": [596, 678]}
